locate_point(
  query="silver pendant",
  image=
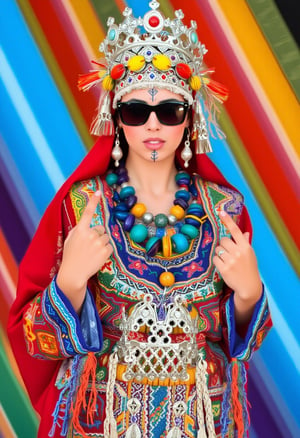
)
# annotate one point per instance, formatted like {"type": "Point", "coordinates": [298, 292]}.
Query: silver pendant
{"type": "Point", "coordinates": [156, 356]}
{"type": "Point", "coordinates": [133, 431]}
{"type": "Point", "coordinates": [174, 433]}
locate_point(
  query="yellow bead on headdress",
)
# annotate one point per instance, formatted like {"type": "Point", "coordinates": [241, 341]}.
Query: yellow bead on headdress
{"type": "Point", "coordinates": [136, 63]}
{"type": "Point", "coordinates": [161, 62]}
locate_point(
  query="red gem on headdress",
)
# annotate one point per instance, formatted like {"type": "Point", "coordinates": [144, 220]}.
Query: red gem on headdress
{"type": "Point", "coordinates": [118, 71]}
{"type": "Point", "coordinates": [154, 21]}
{"type": "Point", "coordinates": [183, 70]}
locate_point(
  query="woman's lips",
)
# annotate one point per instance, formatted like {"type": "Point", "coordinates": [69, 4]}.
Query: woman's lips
{"type": "Point", "coordinates": [154, 143]}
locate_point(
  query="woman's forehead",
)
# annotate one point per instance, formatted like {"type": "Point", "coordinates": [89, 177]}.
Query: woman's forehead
{"type": "Point", "coordinates": [152, 95]}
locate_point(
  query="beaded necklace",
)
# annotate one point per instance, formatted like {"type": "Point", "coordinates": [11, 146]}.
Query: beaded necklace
{"type": "Point", "coordinates": [164, 235]}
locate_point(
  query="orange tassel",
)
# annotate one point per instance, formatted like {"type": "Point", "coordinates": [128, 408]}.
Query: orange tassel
{"type": "Point", "coordinates": [237, 406]}
{"type": "Point", "coordinates": [99, 64]}
{"type": "Point", "coordinates": [219, 90]}
{"type": "Point", "coordinates": [207, 71]}
{"type": "Point", "coordinates": [88, 373]}
{"type": "Point", "coordinates": [87, 80]}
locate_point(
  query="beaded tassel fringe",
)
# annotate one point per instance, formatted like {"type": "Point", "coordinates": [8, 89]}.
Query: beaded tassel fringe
{"type": "Point", "coordinates": [200, 134]}
{"type": "Point", "coordinates": [83, 370]}
{"type": "Point", "coordinates": [235, 400]}
{"type": "Point", "coordinates": [88, 375]}
{"type": "Point", "coordinates": [63, 406]}
{"type": "Point", "coordinates": [103, 123]}
{"type": "Point", "coordinates": [203, 400]}
{"type": "Point", "coordinates": [110, 425]}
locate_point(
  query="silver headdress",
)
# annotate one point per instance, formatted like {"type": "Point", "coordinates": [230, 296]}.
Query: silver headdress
{"type": "Point", "coordinates": [154, 51]}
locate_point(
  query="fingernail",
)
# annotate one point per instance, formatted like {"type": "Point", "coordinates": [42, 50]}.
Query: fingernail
{"type": "Point", "coordinates": [222, 213]}
{"type": "Point", "coordinates": [97, 193]}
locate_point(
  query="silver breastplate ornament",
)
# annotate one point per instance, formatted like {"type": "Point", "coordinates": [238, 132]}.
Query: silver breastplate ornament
{"type": "Point", "coordinates": [146, 345]}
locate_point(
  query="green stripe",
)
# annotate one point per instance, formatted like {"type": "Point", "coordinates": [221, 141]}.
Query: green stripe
{"type": "Point", "coordinates": [105, 9]}
{"type": "Point", "coordinates": [166, 8]}
{"type": "Point", "coordinates": [279, 38]}
{"type": "Point", "coordinates": [15, 402]}
{"type": "Point", "coordinates": [260, 192]}
{"type": "Point", "coordinates": [56, 72]}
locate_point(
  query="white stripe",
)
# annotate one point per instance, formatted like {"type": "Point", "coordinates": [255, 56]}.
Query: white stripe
{"type": "Point", "coordinates": [30, 123]}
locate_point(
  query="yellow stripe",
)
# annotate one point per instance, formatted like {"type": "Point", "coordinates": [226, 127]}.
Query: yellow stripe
{"type": "Point", "coordinates": [264, 65]}
{"type": "Point", "coordinates": [87, 24]}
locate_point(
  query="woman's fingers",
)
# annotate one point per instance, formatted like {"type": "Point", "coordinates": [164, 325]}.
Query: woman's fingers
{"type": "Point", "coordinates": [87, 215]}
{"type": "Point", "coordinates": [232, 227]}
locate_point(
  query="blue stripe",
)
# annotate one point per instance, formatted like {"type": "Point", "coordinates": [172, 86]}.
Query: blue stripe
{"type": "Point", "coordinates": [17, 190]}
{"type": "Point", "coordinates": [30, 123]}
{"type": "Point", "coordinates": [281, 283]}
{"type": "Point", "coordinates": [38, 130]}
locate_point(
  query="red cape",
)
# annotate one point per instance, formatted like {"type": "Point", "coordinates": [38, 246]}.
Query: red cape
{"type": "Point", "coordinates": [34, 274]}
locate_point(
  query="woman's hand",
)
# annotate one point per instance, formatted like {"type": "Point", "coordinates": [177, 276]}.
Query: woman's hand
{"type": "Point", "coordinates": [85, 251]}
{"type": "Point", "coordinates": [236, 262]}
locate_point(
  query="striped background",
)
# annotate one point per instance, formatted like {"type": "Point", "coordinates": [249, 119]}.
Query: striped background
{"type": "Point", "coordinates": [44, 134]}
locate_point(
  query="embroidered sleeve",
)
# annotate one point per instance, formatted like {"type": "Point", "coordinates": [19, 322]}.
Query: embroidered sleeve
{"type": "Point", "coordinates": [242, 348]}
{"type": "Point", "coordinates": [53, 330]}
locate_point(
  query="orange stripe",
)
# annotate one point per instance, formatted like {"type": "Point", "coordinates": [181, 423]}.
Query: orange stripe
{"type": "Point", "coordinates": [121, 5]}
{"type": "Point", "coordinates": [6, 431]}
{"type": "Point", "coordinates": [87, 25]}
{"type": "Point", "coordinates": [8, 258]}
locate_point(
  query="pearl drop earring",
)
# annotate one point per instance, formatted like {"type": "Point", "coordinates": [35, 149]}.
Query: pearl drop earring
{"type": "Point", "coordinates": [117, 152]}
{"type": "Point", "coordinates": [186, 153]}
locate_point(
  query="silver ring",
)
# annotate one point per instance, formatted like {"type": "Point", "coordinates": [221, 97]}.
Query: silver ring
{"type": "Point", "coordinates": [220, 252]}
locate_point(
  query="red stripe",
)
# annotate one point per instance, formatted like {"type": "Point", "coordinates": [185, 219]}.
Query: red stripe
{"type": "Point", "coordinates": [71, 64]}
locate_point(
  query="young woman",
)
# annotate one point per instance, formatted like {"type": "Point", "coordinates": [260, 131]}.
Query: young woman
{"type": "Point", "coordinates": [139, 298]}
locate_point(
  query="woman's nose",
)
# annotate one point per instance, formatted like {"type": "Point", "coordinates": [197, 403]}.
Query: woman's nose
{"type": "Point", "coordinates": [153, 122]}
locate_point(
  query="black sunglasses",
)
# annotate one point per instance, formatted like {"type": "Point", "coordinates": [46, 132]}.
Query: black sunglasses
{"type": "Point", "coordinates": [135, 113]}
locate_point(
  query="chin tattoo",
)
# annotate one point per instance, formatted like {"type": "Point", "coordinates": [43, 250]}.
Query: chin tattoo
{"type": "Point", "coordinates": [154, 155]}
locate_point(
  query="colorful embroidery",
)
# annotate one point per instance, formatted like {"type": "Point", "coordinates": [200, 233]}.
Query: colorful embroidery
{"type": "Point", "coordinates": [47, 343]}
{"type": "Point", "coordinates": [123, 281]}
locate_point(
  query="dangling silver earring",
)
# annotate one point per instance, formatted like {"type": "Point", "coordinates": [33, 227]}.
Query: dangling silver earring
{"type": "Point", "coordinates": [199, 132]}
{"type": "Point", "coordinates": [186, 153]}
{"type": "Point", "coordinates": [117, 152]}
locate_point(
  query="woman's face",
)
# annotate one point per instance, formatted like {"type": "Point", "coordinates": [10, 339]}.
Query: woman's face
{"type": "Point", "coordinates": [153, 141]}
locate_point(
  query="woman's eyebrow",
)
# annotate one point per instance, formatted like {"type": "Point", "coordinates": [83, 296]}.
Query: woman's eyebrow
{"type": "Point", "coordinates": [158, 103]}
{"type": "Point", "coordinates": [134, 101]}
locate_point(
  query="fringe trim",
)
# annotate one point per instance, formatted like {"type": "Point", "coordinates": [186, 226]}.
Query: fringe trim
{"type": "Point", "coordinates": [235, 400]}
{"type": "Point", "coordinates": [88, 373]}
{"type": "Point", "coordinates": [103, 123]}
{"type": "Point", "coordinates": [110, 424]}
{"type": "Point", "coordinates": [82, 372]}
{"type": "Point", "coordinates": [199, 133]}
{"type": "Point", "coordinates": [63, 406]}
{"type": "Point", "coordinates": [207, 427]}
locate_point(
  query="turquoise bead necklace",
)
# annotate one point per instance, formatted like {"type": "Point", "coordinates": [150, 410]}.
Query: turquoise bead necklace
{"type": "Point", "coordinates": [162, 234]}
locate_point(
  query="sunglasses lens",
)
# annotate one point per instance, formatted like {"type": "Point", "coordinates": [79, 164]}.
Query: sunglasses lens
{"type": "Point", "coordinates": [133, 114]}
{"type": "Point", "coordinates": [168, 113]}
{"type": "Point", "coordinates": [171, 113]}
